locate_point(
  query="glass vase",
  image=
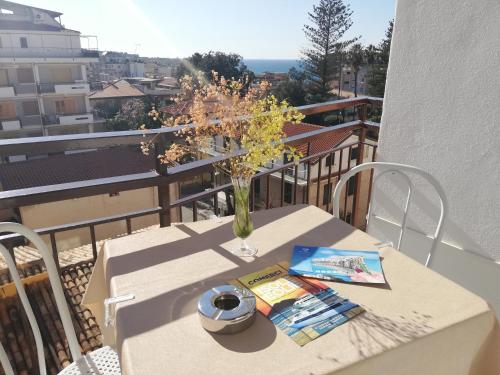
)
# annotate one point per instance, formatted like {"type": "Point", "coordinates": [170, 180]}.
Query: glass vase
{"type": "Point", "coordinates": [242, 223]}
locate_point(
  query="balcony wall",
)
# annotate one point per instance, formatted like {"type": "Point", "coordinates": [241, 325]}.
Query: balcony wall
{"type": "Point", "coordinates": [83, 118]}
{"type": "Point", "coordinates": [7, 92]}
{"type": "Point", "coordinates": [452, 133]}
{"type": "Point", "coordinates": [11, 125]}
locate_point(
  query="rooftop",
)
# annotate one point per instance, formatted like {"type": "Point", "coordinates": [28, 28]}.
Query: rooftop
{"type": "Point", "coordinates": [81, 166]}
{"type": "Point", "coordinates": [117, 90]}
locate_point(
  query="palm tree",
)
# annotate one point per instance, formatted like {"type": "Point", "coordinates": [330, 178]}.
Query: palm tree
{"type": "Point", "coordinates": [356, 58]}
{"type": "Point", "coordinates": [371, 55]}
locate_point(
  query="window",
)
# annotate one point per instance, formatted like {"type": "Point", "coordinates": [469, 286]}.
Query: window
{"type": "Point", "coordinates": [327, 194]}
{"type": "Point", "coordinates": [65, 106]}
{"type": "Point", "coordinates": [351, 186]}
{"type": "Point", "coordinates": [24, 42]}
{"type": "Point", "coordinates": [30, 108]}
{"type": "Point", "coordinates": [256, 187]}
{"type": "Point", "coordinates": [288, 193]}
{"type": "Point", "coordinates": [25, 75]}
{"type": "Point", "coordinates": [330, 160]}
{"type": "Point", "coordinates": [7, 111]}
{"type": "Point", "coordinates": [60, 106]}
{"type": "Point", "coordinates": [354, 153]}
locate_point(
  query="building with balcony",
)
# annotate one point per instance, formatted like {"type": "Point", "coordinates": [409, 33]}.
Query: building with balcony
{"type": "Point", "coordinates": [43, 74]}
{"type": "Point", "coordinates": [114, 65]}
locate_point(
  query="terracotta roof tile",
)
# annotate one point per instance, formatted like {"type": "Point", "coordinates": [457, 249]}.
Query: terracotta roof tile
{"type": "Point", "coordinates": [325, 143]}
{"type": "Point", "coordinates": [74, 167]}
{"type": "Point", "coordinates": [15, 333]}
{"type": "Point", "coordinates": [118, 89]}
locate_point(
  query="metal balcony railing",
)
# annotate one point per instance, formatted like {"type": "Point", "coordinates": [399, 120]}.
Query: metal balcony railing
{"type": "Point", "coordinates": [163, 176]}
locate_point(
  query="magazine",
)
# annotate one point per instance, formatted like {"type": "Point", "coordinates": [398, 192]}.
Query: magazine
{"type": "Point", "coordinates": [302, 308]}
{"type": "Point", "coordinates": [352, 266]}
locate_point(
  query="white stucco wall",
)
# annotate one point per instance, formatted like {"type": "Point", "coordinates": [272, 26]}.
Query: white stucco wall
{"type": "Point", "coordinates": [442, 113]}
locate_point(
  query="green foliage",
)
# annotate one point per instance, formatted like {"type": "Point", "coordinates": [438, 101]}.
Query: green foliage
{"type": "Point", "coordinates": [376, 83]}
{"type": "Point", "coordinates": [330, 20]}
{"type": "Point", "coordinates": [292, 89]}
{"type": "Point", "coordinates": [229, 65]}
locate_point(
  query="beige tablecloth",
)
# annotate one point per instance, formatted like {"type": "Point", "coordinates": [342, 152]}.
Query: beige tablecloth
{"type": "Point", "coordinates": [420, 323]}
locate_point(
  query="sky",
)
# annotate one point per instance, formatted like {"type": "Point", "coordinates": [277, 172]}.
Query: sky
{"type": "Point", "coordinates": [262, 29]}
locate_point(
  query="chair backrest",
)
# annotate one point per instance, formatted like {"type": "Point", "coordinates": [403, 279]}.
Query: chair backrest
{"type": "Point", "coordinates": [401, 170]}
{"type": "Point", "coordinates": [56, 288]}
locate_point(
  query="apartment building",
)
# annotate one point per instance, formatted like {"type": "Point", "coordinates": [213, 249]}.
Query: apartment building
{"type": "Point", "coordinates": [114, 65]}
{"type": "Point", "coordinates": [43, 74]}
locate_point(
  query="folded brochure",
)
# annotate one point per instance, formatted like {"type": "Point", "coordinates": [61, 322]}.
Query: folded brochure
{"type": "Point", "coordinates": [352, 266]}
{"type": "Point", "coordinates": [302, 308]}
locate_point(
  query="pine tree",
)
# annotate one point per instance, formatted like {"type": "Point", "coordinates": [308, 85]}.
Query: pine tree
{"type": "Point", "coordinates": [330, 19]}
{"type": "Point", "coordinates": [376, 83]}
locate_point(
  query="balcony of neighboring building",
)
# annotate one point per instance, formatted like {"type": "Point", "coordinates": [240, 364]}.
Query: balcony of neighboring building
{"type": "Point", "coordinates": [62, 79]}
{"type": "Point", "coordinates": [49, 46]}
{"type": "Point", "coordinates": [17, 115]}
{"type": "Point", "coordinates": [17, 81]}
{"type": "Point", "coordinates": [66, 111]}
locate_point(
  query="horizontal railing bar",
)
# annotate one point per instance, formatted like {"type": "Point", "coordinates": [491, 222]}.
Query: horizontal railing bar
{"type": "Point", "coordinates": [60, 143]}
{"type": "Point", "coordinates": [79, 189]}
{"type": "Point", "coordinates": [371, 123]}
{"type": "Point", "coordinates": [87, 223]}
{"type": "Point", "coordinates": [334, 105]}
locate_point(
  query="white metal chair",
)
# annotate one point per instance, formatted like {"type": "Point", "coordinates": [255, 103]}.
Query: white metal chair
{"type": "Point", "coordinates": [401, 170]}
{"type": "Point", "coordinates": [101, 361]}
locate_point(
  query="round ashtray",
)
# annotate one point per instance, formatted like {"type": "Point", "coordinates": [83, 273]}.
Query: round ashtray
{"type": "Point", "coordinates": [226, 309]}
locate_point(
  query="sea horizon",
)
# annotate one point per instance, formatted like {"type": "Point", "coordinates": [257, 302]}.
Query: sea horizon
{"type": "Point", "coordinates": [272, 65]}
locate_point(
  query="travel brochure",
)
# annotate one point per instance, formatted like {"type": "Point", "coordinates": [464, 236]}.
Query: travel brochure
{"type": "Point", "coordinates": [303, 308]}
{"type": "Point", "coordinates": [350, 266]}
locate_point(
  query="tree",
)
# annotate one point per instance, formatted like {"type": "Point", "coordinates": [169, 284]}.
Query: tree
{"type": "Point", "coordinates": [376, 84]}
{"type": "Point", "coordinates": [229, 65]}
{"type": "Point", "coordinates": [292, 89]}
{"type": "Point", "coordinates": [133, 114]}
{"type": "Point", "coordinates": [329, 22]}
{"type": "Point", "coordinates": [356, 58]}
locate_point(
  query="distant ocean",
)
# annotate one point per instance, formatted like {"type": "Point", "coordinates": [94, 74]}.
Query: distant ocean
{"type": "Point", "coordinates": [273, 66]}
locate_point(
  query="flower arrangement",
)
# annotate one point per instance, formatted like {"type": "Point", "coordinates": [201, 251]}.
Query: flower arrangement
{"type": "Point", "coordinates": [245, 117]}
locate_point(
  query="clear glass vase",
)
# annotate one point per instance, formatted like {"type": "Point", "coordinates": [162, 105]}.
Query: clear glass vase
{"type": "Point", "coordinates": [242, 223]}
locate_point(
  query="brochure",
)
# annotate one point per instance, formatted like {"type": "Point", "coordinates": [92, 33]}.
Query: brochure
{"type": "Point", "coordinates": [302, 308]}
{"type": "Point", "coordinates": [352, 266]}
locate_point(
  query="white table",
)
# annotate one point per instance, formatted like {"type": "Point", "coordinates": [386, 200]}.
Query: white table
{"type": "Point", "coordinates": [420, 323]}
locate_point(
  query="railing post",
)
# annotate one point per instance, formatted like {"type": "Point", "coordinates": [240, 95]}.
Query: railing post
{"type": "Point", "coordinates": [164, 203]}
{"type": "Point", "coordinates": [94, 242]}
{"type": "Point", "coordinates": [359, 160]}
{"type": "Point", "coordinates": [55, 254]}
{"type": "Point", "coordinates": [163, 190]}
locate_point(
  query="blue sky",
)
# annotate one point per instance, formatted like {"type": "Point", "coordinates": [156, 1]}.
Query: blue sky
{"type": "Point", "coordinates": [178, 28]}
